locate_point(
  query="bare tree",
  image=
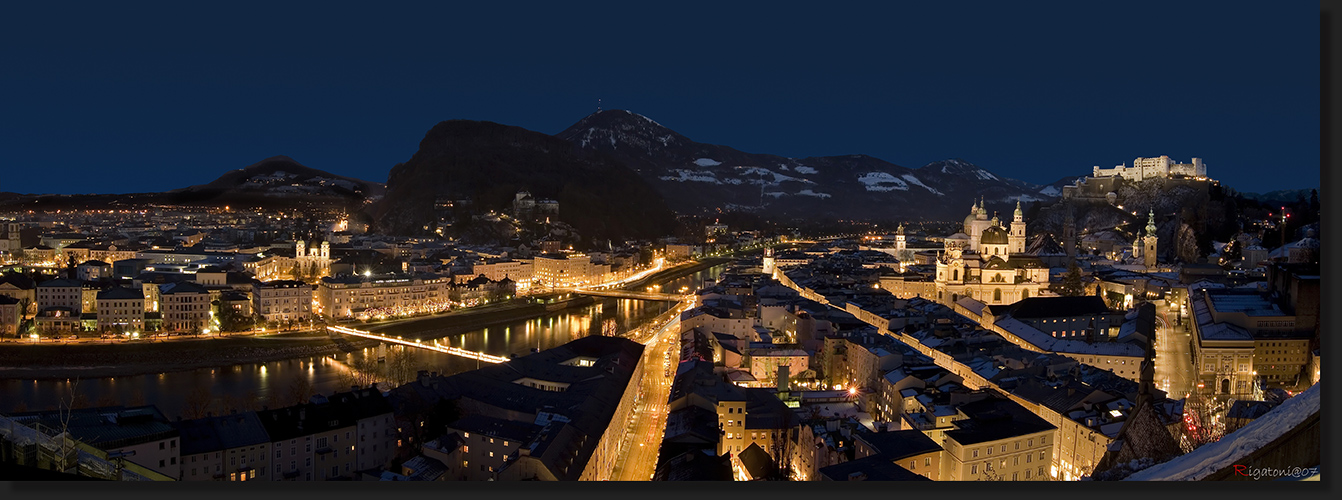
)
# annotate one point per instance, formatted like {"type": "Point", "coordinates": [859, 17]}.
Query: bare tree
{"type": "Point", "coordinates": [300, 390]}
{"type": "Point", "coordinates": [361, 373]}
{"type": "Point", "coordinates": [1201, 424]}
{"type": "Point", "coordinates": [401, 366]}
{"type": "Point", "coordinates": [136, 399]}
{"type": "Point", "coordinates": [274, 400]}
{"type": "Point", "coordinates": [1186, 244]}
{"type": "Point", "coordinates": [67, 455]}
{"type": "Point", "coordinates": [198, 403]}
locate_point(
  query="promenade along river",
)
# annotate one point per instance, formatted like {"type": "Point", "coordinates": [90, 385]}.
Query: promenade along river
{"type": "Point", "coordinates": [270, 382]}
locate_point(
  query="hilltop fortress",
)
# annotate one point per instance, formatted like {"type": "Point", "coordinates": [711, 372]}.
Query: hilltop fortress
{"type": "Point", "coordinates": [1147, 168]}
{"type": "Point", "coordinates": [1103, 181]}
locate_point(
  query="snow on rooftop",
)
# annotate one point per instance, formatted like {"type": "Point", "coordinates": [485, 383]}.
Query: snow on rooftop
{"type": "Point", "coordinates": [1048, 343]}
{"type": "Point", "coordinates": [1237, 445]}
{"type": "Point", "coordinates": [1209, 329]}
{"type": "Point", "coordinates": [1250, 304]}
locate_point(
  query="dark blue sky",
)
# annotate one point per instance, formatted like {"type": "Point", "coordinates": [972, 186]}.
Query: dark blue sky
{"type": "Point", "coordinates": [114, 98]}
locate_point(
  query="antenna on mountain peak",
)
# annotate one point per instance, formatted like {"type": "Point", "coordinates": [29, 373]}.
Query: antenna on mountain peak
{"type": "Point", "coordinates": [598, 105]}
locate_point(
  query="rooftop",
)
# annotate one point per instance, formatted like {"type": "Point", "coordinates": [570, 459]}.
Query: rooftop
{"type": "Point", "coordinates": [1251, 304]}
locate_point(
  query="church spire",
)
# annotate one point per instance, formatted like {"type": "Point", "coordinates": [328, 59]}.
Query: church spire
{"type": "Point", "coordinates": [1151, 223]}
{"type": "Point", "coordinates": [1018, 216]}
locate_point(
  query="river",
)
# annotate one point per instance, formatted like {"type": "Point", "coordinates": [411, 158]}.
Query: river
{"type": "Point", "coordinates": [274, 383]}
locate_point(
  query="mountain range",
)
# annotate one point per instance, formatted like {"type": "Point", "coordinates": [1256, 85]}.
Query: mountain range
{"type": "Point", "coordinates": [273, 182]}
{"type": "Point", "coordinates": [703, 178]}
{"type": "Point", "coordinates": [614, 170]}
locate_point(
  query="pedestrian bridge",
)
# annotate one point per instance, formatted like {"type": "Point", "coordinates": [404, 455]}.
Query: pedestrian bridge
{"type": "Point", "coordinates": [624, 294]}
{"type": "Point", "coordinates": [435, 346]}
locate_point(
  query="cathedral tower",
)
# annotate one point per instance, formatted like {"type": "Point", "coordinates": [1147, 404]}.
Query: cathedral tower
{"type": "Point", "coordinates": [1017, 237]}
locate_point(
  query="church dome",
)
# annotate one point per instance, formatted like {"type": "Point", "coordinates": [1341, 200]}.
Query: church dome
{"type": "Point", "coordinates": [994, 235]}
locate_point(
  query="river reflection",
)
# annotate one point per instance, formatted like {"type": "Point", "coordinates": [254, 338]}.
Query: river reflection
{"type": "Point", "coordinates": [273, 383]}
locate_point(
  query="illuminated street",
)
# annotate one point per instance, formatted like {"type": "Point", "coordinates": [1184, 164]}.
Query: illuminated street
{"type": "Point", "coordinates": [645, 432]}
{"type": "Point", "coordinates": [1174, 365]}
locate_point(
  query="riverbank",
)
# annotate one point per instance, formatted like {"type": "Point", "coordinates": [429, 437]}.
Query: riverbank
{"type": "Point", "coordinates": [140, 358]}
{"type": "Point", "coordinates": [59, 361]}
{"type": "Point", "coordinates": [677, 272]}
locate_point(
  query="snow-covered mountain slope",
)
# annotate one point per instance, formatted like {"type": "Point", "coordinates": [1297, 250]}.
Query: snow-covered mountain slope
{"type": "Point", "coordinates": [697, 177]}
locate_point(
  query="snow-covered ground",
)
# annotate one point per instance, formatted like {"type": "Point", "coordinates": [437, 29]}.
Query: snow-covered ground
{"type": "Point", "coordinates": [1237, 445]}
{"type": "Point", "coordinates": [682, 175]}
{"type": "Point", "coordinates": [915, 181]}
{"type": "Point", "coordinates": [707, 162]}
{"type": "Point", "coordinates": [881, 181]}
{"type": "Point", "coordinates": [777, 178]}
{"type": "Point", "coordinates": [803, 169]}
{"type": "Point", "coordinates": [808, 192]}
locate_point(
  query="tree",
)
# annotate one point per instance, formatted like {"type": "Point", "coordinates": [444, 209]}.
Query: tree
{"type": "Point", "coordinates": [198, 403]}
{"type": "Point", "coordinates": [1186, 244]}
{"type": "Point", "coordinates": [300, 390]}
{"type": "Point", "coordinates": [1200, 425]}
{"type": "Point", "coordinates": [67, 457]}
{"type": "Point", "coordinates": [296, 272]}
{"type": "Point", "coordinates": [401, 366]}
{"type": "Point", "coordinates": [362, 373]}
{"type": "Point", "coordinates": [1071, 285]}
{"type": "Point", "coordinates": [1033, 212]}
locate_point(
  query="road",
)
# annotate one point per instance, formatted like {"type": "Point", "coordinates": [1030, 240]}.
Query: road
{"type": "Point", "coordinates": [1174, 366]}
{"type": "Point", "coordinates": [644, 432]}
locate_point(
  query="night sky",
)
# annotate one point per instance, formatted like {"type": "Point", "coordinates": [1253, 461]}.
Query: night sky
{"type": "Point", "coordinates": [116, 98]}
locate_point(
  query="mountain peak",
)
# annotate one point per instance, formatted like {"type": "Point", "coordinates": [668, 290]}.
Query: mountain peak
{"type": "Point", "coordinates": [621, 128]}
{"type": "Point", "coordinates": [272, 162]}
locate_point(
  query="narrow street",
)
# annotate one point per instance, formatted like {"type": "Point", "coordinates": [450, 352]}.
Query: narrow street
{"type": "Point", "coordinates": [1174, 365]}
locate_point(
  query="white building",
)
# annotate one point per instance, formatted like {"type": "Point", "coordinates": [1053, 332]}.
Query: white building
{"type": "Point", "coordinates": [563, 270]}
{"type": "Point", "coordinates": [365, 296]}
{"type": "Point", "coordinates": [282, 300]}
{"type": "Point", "coordinates": [186, 307]}
{"type": "Point", "coordinates": [120, 309]}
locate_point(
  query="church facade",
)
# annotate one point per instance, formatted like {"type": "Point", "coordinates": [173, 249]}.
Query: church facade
{"type": "Point", "coordinates": [987, 262]}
